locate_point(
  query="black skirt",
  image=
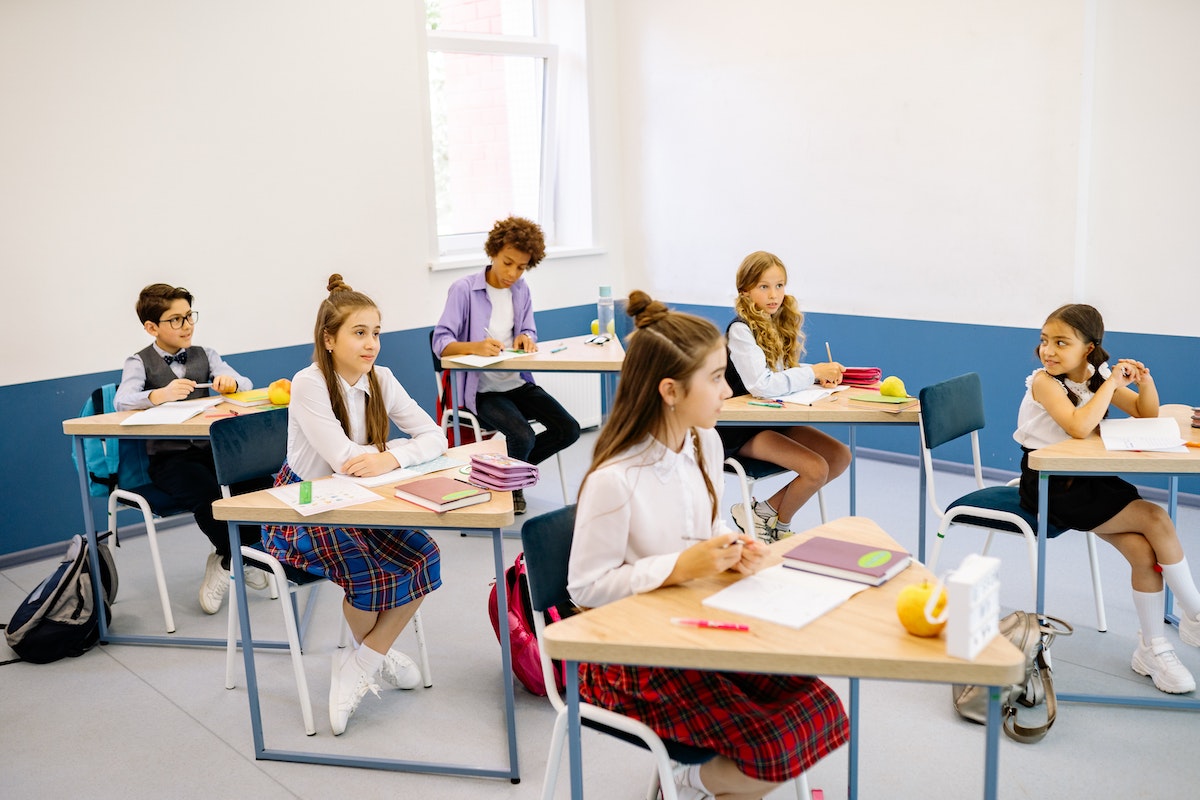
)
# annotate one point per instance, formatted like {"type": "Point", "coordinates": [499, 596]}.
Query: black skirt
{"type": "Point", "coordinates": [1079, 502]}
{"type": "Point", "coordinates": [734, 437]}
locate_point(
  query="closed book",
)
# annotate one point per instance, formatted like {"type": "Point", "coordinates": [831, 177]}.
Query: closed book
{"type": "Point", "coordinates": [848, 560]}
{"type": "Point", "coordinates": [442, 494]}
{"type": "Point", "coordinates": [253, 397]}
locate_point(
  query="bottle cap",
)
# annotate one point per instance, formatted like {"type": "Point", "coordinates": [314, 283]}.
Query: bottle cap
{"type": "Point", "coordinates": [606, 291]}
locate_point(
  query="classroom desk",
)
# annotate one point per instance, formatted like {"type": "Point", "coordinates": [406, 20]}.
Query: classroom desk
{"type": "Point", "coordinates": [388, 512]}
{"type": "Point", "coordinates": [860, 639]}
{"type": "Point", "coordinates": [1089, 457]}
{"type": "Point", "coordinates": [840, 409]}
{"type": "Point", "coordinates": [109, 426]}
{"type": "Point", "coordinates": [605, 359]}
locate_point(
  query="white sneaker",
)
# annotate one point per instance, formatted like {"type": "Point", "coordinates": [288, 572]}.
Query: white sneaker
{"type": "Point", "coordinates": [348, 685]}
{"type": "Point", "coordinates": [216, 584]}
{"type": "Point", "coordinates": [683, 788]}
{"type": "Point", "coordinates": [764, 529]}
{"type": "Point", "coordinates": [1158, 660]}
{"type": "Point", "coordinates": [1189, 630]}
{"type": "Point", "coordinates": [256, 578]}
{"type": "Point", "coordinates": [400, 671]}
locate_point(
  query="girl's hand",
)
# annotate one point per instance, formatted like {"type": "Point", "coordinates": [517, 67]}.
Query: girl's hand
{"type": "Point", "coordinates": [366, 465]}
{"type": "Point", "coordinates": [709, 557]}
{"type": "Point", "coordinates": [1126, 372]}
{"type": "Point", "coordinates": [525, 342]}
{"type": "Point", "coordinates": [224, 384]}
{"type": "Point", "coordinates": [489, 347]}
{"type": "Point", "coordinates": [828, 373]}
{"type": "Point", "coordinates": [754, 556]}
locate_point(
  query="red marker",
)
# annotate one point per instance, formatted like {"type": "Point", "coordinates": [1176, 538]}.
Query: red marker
{"type": "Point", "coordinates": [709, 623]}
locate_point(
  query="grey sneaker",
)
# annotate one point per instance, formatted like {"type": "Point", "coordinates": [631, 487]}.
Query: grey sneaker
{"type": "Point", "coordinates": [1158, 660]}
{"type": "Point", "coordinates": [764, 528]}
{"type": "Point", "coordinates": [216, 584]}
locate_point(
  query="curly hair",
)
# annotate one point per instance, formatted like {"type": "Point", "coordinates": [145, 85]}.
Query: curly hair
{"type": "Point", "coordinates": [665, 344]}
{"type": "Point", "coordinates": [331, 315]}
{"type": "Point", "coordinates": [523, 234]}
{"type": "Point", "coordinates": [780, 335]}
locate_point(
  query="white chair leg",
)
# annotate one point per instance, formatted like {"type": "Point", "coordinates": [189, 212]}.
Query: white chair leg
{"type": "Point", "coordinates": [562, 480]}
{"type": "Point", "coordinates": [558, 736]}
{"type": "Point", "coordinates": [152, 536]}
{"type": "Point", "coordinates": [422, 653]}
{"type": "Point", "coordinates": [231, 641]}
{"type": "Point", "coordinates": [652, 791]}
{"type": "Point", "coordinates": [802, 790]}
{"type": "Point", "coordinates": [987, 543]}
{"type": "Point", "coordinates": [272, 587]}
{"type": "Point", "coordinates": [1097, 589]}
{"type": "Point", "coordinates": [293, 636]}
{"type": "Point", "coordinates": [821, 505]}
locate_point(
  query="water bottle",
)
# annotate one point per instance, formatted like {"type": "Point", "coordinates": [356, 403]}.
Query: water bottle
{"type": "Point", "coordinates": [604, 311]}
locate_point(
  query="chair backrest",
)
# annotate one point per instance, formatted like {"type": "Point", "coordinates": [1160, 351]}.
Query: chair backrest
{"type": "Point", "coordinates": [951, 409]}
{"type": "Point", "coordinates": [111, 462]}
{"type": "Point", "coordinates": [547, 542]}
{"type": "Point", "coordinates": [249, 445]}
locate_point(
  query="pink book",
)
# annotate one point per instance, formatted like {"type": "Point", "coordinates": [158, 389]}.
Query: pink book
{"type": "Point", "coordinates": [501, 472]}
{"type": "Point", "coordinates": [848, 560]}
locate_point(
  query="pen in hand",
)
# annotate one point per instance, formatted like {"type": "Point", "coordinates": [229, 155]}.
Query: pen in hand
{"type": "Point", "coordinates": [710, 624]}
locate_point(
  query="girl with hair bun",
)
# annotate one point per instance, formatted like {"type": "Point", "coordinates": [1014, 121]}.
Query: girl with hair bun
{"type": "Point", "coordinates": [338, 421]}
{"type": "Point", "coordinates": [647, 517]}
{"type": "Point", "coordinates": [1066, 398]}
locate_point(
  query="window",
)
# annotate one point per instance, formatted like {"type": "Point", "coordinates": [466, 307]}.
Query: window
{"type": "Point", "coordinates": [497, 139]}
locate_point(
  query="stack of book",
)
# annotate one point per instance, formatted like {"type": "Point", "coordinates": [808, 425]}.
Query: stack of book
{"type": "Point", "coordinates": [502, 473]}
{"type": "Point", "coordinates": [862, 376]}
{"type": "Point", "coordinates": [847, 560]}
{"type": "Point", "coordinates": [1196, 417]}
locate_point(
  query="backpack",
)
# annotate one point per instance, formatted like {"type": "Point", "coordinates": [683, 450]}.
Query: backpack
{"type": "Point", "coordinates": [60, 617]}
{"type": "Point", "coordinates": [119, 462]}
{"type": "Point", "coordinates": [1032, 636]}
{"type": "Point", "coordinates": [526, 659]}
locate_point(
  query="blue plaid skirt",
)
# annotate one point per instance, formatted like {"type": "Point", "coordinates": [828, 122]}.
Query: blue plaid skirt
{"type": "Point", "coordinates": [377, 568]}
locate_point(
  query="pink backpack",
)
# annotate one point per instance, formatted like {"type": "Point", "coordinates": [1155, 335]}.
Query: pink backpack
{"type": "Point", "coordinates": [526, 660]}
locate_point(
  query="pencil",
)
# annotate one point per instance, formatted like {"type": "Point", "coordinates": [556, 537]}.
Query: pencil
{"type": "Point", "coordinates": [828, 354]}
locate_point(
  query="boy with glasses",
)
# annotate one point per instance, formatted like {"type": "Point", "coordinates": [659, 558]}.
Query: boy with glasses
{"type": "Point", "coordinates": [171, 368]}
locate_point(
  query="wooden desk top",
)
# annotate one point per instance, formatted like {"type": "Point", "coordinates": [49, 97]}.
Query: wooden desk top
{"type": "Point", "coordinates": [1089, 455]}
{"type": "Point", "coordinates": [836, 408]}
{"type": "Point", "coordinates": [194, 428]}
{"type": "Point", "coordinates": [578, 357]}
{"type": "Point", "coordinates": [387, 512]}
{"type": "Point", "coordinates": [861, 638]}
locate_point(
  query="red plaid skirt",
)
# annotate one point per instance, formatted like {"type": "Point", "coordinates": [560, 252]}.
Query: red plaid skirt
{"type": "Point", "coordinates": [377, 568]}
{"type": "Point", "coordinates": [773, 727]}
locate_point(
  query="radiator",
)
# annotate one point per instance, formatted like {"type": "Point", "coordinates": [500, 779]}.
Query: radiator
{"type": "Point", "coordinates": [579, 393]}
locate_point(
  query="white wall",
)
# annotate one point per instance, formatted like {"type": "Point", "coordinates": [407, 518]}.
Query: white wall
{"type": "Point", "coordinates": [242, 148]}
{"type": "Point", "coordinates": [918, 159]}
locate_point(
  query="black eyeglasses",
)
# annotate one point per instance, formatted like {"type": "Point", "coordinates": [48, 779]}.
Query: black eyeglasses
{"type": "Point", "coordinates": [177, 322]}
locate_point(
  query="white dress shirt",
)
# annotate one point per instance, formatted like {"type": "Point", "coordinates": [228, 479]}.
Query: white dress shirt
{"type": "Point", "coordinates": [751, 364]}
{"type": "Point", "coordinates": [317, 445]}
{"type": "Point", "coordinates": [636, 513]}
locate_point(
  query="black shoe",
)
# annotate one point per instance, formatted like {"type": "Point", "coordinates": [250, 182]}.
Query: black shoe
{"type": "Point", "coordinates": [518, 502]}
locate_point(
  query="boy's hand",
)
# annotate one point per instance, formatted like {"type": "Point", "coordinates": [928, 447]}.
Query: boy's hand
{"type": "Point", "coordinates": [526, 343]}
{"type": "Point", "coordinates": [489, 347]}
{"type": "Point", "coordinates": [177, 389]}
{"type": "Point", "coordinates": [225, 384]}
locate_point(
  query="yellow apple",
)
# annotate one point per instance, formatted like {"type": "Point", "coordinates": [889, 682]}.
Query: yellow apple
{"type": "Point", "coordinates": [595, 327]}
{"type": "Point", "coordinates": [280, 392]}
{"type": "Point", "coordinates": [892, 387]}
{"type": "Point", "coordinates": [910, 607]}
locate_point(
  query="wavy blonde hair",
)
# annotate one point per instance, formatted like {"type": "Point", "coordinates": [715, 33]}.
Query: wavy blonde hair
{"type": "Point", "coordinates": [779, 336]}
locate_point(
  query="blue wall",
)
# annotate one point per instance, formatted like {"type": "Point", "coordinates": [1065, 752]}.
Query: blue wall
{"type": "Point", "coordinates": [43, 499]}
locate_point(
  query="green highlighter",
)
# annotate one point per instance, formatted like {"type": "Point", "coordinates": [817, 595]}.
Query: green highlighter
{"type": "Point", "coordinates": [305, 492]}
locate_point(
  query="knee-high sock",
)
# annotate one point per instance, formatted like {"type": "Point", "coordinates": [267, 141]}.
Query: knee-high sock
{"type": "Point", "coordinates": [1179, 578]}
{"type": "Point", "coordinates": [1149, 607]}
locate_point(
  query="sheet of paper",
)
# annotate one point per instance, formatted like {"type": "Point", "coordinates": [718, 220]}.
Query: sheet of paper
{"type": "Point", "coordinates": [170, 413]}
{"type": "Point", "coordinates": [806, 397]}
{"type": "Point", "coordinates": [784, 596]}
{"type": "Point", "coordinates": [400, 473]}
{"type": "Point", "coordinates": [1160, 434]}
{"type": "Point", "coordinates": [484, 361]}
{"type": "Point", "coordinates": [326, 495]}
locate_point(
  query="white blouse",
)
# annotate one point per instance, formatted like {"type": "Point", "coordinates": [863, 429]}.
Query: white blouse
{"type": "Point", "coordinates": [317, 445]}
{"type": "Point", "coordinates": [1035, 427]}
{"type": "Point", "coordinates": [636, 513]}
{"type": "Point", "coordinates": [751, 364]}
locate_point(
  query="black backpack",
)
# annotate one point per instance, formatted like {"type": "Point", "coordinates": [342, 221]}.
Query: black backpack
{"type": "Point", "coordinates": [60, 617]}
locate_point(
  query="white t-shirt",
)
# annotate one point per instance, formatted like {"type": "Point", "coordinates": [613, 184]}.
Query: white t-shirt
{"type": "Point", "coordinates": [501, 327]}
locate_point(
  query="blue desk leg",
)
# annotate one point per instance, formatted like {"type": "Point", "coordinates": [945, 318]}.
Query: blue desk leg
{"type": "Point", "coordinates": [922, 511]}
{"type": "Point", "coordinates": [852, 776]}
{"type": "Point", "coordinates": [89, 526]}
{"type": "Point", "coordinates": [247, 639]}
{"type": "Point", "coordinates": [853, 471]}
{"type": "Point", "coordinates": [505, 656]}
{"type": "Point", "coordinates": [1043, 517]}
{"type": "Point", "coordinates": [455, 400]}
{"type": "Point", "coordinates": [1173, 512]}
{"type": "Point", "coordinates": [574, 745]}
{"type": "Point", "coordinates": [991, 769]}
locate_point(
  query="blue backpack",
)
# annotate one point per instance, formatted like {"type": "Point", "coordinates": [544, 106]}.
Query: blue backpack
{"type": "Point", "coordinates": [110, 464]}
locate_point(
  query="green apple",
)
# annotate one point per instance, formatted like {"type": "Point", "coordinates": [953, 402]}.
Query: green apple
{"type": "Point", "coordinates": [892, 387]}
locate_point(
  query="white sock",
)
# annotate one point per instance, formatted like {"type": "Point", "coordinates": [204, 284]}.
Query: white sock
{"type": "Point", "coordinates": [1149, 607]}
{"type": "Point", "coordinates": [1179, 578]}
{"type": "Point", "coordinates": [369, 661]}
{"type": "Point", "coordinates": [782, 526]}
{"type": "Point", "coordinates": [693, 778]}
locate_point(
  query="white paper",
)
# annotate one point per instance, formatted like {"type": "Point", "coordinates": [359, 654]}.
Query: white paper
{"type": "Point", "coordinates": [806, 397]}
{"type": "Point", "coordinates": [784, 596]}
{"type": "Point", "coordinates": [400, 473]}
{"type": "Point", "coordinates": [171, 413]}
{"type": "Point", "coordinates": [1160, 434]}
{"type": "Point", "coordinates": [484, 361]}
{"type": "Point", "coordinates": [326, 495]}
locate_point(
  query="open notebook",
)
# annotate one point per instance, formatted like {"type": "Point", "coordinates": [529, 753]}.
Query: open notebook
{"type": "Point", "coordinates": [415, 471]}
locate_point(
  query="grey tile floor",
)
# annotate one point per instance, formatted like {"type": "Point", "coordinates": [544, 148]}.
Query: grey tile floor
{"type": "Point", "coordinates": [152, 722]}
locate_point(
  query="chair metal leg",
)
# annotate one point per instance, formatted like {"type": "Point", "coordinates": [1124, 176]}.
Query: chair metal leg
{"type": "Point", "coordinates": [802, 790]}
{"type": "Point", "coordinates": [558, 737]}
{"type": "Point", "coordinates": [151, 536]}
{"type": "Point", "coordinates": [821, 505]}
{"type": "Point", "coordinates": [231, 640]}
{"type": "Point", "coordinates": [562, 480]}
{"type": "Point", "coordinates": [422, 653]}
{"type": "Point", "coordinates": [1097, 589]}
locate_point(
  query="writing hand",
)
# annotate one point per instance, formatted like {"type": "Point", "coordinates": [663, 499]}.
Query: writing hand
{"type": "Point", "coordinates": [489, 347]}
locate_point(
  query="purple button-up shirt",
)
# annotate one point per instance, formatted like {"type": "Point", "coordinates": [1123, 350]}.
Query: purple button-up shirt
{"type": "Point", "coordinates": [465, 317]}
